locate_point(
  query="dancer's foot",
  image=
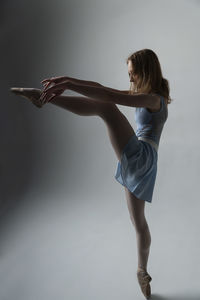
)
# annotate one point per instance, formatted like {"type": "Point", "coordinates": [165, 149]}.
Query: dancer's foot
{"type": "Point", "coordinates": [144, 278]}
{"type": "Point", "coordinates": [30, 93]}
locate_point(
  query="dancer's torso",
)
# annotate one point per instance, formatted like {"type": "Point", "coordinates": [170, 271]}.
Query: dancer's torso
{"type": "Point", "coordinates": [150, 122]}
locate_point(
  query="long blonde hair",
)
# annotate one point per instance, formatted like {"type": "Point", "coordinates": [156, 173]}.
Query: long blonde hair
{"type": "Point", "coordinates": [148, 70]}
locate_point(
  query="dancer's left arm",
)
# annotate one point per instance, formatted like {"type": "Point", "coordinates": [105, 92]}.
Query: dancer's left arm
{"type": "Point", "coordinates": [105, 94]}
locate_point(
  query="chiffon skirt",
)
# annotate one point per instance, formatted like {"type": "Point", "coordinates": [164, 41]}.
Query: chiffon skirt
{"type": "Point", "coordinates": [137, 168]}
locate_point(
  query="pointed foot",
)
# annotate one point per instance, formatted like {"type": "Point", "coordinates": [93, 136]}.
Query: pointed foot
{"type": "Point", "coordinates": [31, 94]}
{"type": "Point", "coordinates": [144, 279]}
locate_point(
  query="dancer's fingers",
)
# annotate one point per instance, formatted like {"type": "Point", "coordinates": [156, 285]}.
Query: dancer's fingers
{"type": "Point", "coordinates": [46, 80]}
{"type": "Point", "coordinates": [49, 80]}
{"type": "Point", "coordinates": [57, 87]}
{"type": "Point", "coordinates": [54, 79]}
{"type": "Point", "coordinates": [46, 85]}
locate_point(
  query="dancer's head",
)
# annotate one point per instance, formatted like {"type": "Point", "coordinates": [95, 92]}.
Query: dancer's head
{"type": "Point", "coordinates": [145, 74]}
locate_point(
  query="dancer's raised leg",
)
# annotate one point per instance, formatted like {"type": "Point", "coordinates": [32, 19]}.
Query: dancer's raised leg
{"type": "Point", "coordinates": [119, 129]}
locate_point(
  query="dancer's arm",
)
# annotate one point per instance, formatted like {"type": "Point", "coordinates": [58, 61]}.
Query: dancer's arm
{"type": "Point", "coordinates": [106, 94]}
{"type": "Point", "coordinates": [62, 79]}
{"type": "Point", "coordinates": [80, 81]}
{"type": "Point", "coordinates": [93, 83]}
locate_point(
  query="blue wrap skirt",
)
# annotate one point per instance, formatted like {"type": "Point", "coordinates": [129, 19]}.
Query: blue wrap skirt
{"type": "Point", "coordinates": [138, 167]}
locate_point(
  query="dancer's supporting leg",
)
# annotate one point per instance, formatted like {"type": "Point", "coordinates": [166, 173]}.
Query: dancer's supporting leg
{"type": "Point", "coordinates": [136, 210]}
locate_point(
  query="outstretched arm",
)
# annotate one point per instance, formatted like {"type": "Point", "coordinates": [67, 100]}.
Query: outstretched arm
{"type": "Point", "coordinates": [78, 81]}
{"type": "Point", "coordinates": [106, 94]}
{"type": "Point", "coordinates": [62, 79]}
{"type": "Point", "coordinates": [93, 83]}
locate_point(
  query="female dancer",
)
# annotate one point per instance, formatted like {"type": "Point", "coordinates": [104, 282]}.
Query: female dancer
{"type": "Point", "coordinates": [137, 152]}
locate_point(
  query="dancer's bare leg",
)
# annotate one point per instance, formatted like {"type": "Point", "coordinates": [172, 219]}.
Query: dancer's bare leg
{"type": "Point", "coordinates": [118, 127]}
{"type": "Point", "coordinates": [119, 131]}
{"type": "Point", "coordinates": [136, 210]}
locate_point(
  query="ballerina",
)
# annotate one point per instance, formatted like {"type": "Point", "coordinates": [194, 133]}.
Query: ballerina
{"type": "Point", "coordinates": [137, 152]}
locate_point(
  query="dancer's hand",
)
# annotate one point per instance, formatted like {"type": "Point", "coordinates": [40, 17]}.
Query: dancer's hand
{"type": "Point", "coordinates": [49, 93]}
{"type": "Point", "coordinates": [47, 82]}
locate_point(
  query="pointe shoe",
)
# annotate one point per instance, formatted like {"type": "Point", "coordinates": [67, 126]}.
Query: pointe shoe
{"type": "Point", "coordinates": [144, 278]}
{"type": "Point", "coordinates": [32, 94]}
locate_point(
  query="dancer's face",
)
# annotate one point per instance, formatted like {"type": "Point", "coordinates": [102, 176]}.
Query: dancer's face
{"type": "Point", "coordinates": [132, 76]}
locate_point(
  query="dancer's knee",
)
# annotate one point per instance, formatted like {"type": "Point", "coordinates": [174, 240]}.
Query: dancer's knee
{"type": "Point", "coordinates": [107, 110]}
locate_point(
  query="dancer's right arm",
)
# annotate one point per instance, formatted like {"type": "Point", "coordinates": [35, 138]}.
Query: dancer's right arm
{"type": "Point", "coordinates": [84, 82]}
{"type": "Point", "coordinates": [80, 81]}
{"type": "Point", "coordinates": [93, 83]}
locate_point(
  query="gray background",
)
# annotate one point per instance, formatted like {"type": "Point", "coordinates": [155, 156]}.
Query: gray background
{"type": "Point", "coordinates": [65, 231]}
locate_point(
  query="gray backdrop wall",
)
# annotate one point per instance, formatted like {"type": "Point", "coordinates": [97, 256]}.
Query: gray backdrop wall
{"type": "Point", "coordinates": [65, 230]}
